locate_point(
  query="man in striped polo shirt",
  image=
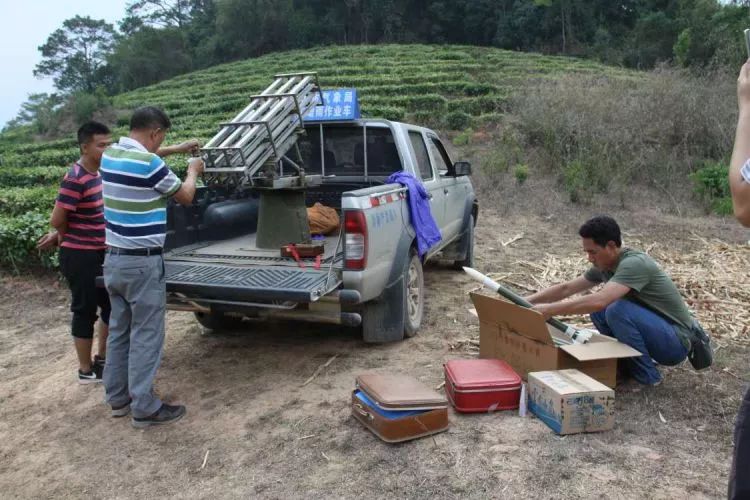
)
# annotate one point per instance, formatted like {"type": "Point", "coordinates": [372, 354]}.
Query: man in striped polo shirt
{"type": "Point", "coordinates": [78, 219]}
{"type": "Point", "coordinates": [137, 186]}
{"type": "Point", "coordinates": [739, 184]}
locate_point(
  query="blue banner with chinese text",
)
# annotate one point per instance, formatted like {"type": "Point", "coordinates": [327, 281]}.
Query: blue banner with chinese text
{"type": "Point", "coordinates": [340, 104]}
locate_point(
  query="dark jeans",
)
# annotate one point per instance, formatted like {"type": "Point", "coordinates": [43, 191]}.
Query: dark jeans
{"type": "Point", "coordinates": [80, 268]}
{"type": "Point", "coordinates": [646, 332]}
{"type": "Point", "coordinates": [739, 478]}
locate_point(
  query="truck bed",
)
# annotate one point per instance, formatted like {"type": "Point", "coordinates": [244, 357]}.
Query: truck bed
{"type": "Point", "coordinates": [216, 265]}
{"type": "Point", "coordinates": [242, 250]}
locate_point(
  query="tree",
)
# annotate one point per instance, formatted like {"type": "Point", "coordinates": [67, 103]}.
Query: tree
{"type": "Point", "coordinates": [201, 33]}
{"type": "Point", "coordinates": [39, 110]}
{"type": "Point", "coordinates": [149, 56]}
{"type": "Point", "coordinates": [652, 40]}
{"type": "Point", "coordinates": [129, 25]}
{"type": "Point", "coordinates": [162, 13]}
{"type": "Point", "coordinates": [249, 28]}
{"type": "Point", "coordinates": [565, 22]}
{"type": "Point", "coordinates": [75, 55]}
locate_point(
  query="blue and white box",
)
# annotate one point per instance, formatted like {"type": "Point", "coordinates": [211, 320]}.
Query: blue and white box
{"type": "Point", "coordinates": [570, 401]}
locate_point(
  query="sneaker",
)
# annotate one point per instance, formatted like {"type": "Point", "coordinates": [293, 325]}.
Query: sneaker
{"type": "Point", "coordinates": [91, 377]}
{"type": "Point", "coordinates": [165, 415]}
{"type": "Point", "coordinates": [98, 361]}
{"type": "Point", "coordinates": [121, 411]}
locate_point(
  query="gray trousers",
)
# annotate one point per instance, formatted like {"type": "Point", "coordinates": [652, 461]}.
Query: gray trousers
{"type": "Point", "coordinates": [739, 477]}
{"type": "Point", "coordinates": [137, 292]}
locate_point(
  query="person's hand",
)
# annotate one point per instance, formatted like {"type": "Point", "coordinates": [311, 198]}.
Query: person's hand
{"type": "Point", "coordinates": [196, 165]}
{"type": "Point", "coordinates": [543, 309]}
{"type": "Point", "coordinates": [743, 88]}
{"type": "Point", "coordinates": [189, 147]}
{"type": "Point", "coordinates": [48, 241]}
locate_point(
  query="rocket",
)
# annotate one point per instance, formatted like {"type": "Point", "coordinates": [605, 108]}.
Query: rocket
{"type": "Point", "coordinates": [576, 335]}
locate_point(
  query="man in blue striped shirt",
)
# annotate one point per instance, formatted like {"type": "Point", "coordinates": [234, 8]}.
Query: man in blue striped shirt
{"type": "Point", "coordinates": [136, 187]}
{"type": "Point", "coordinates": [739, 183]}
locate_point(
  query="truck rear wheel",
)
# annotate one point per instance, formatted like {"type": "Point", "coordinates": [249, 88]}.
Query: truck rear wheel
{"type": "Point", "coordinates": [217, 321]}
{"type": "Point", "coordinates": [414, 295]}
{"type": "Point", "coordinates": [399, 310]}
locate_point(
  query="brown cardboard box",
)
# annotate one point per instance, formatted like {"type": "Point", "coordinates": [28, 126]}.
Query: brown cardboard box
{"type": "Point", "coordinates": [570, 402]}
{"type": "Point", "coordinates": [524, 340]}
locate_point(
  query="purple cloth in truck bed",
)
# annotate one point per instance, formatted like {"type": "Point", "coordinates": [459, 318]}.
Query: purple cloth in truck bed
{"type": "Point", "coordinates": [428, 233]}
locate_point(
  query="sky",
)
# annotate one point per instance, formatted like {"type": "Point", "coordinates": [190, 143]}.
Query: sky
{"type": "Point", "coordinates": [26, 26]}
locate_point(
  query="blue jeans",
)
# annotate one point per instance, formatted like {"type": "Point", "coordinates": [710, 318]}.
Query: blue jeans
{"type": "Point", "coordinates": [646, 332]}
{"type": "Point", "coordinates": [137, 291]}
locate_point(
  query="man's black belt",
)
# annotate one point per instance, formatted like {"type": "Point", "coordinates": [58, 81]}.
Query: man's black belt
{"type": "Point", "coordinates": [144, 252]}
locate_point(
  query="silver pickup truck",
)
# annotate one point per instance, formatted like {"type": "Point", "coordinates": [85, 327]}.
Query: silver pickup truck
{"type": "Point", "coordinates": [369, 274]}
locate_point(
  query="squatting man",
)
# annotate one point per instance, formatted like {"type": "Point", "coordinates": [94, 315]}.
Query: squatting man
{"type": "Point", "coordinates": [639, 304]}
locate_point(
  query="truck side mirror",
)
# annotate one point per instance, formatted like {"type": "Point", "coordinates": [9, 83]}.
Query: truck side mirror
{"type": "Point", "coordinates": [461, 168]}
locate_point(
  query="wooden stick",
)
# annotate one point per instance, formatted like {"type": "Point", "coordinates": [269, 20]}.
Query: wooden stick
{"type": "Point", "coordinates": [205, 459]}
{"type": "Point", "coordinates": [512, 240]}
{"type": "Point", "coordinates": [320, 369]}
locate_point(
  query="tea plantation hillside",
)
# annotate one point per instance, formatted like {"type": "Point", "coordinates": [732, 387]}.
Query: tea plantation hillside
{"type": "Point", "coordinates": [445, 87]}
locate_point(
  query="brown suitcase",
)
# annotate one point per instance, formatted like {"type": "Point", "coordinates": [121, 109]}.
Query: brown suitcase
{"type": "Point", "coordinates": [398, 408]}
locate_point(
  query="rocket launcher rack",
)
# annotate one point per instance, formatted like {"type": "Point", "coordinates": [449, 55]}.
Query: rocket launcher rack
{"type": "Point", "coordinates": [263, 132]}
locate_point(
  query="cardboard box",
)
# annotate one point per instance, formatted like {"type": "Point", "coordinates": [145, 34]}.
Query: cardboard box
{"type": "Point", "coordinates": [524, 340]}
{"type": "Point", "coordinates": [570, 402]}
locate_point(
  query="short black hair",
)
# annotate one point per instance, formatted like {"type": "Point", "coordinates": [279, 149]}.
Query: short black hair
{"type": "Point", "coordinates": [601, 229]}
{"type": "Point", "coordinates": [149, 117]}
{"type": "Point", "coordinates": [88, 130]}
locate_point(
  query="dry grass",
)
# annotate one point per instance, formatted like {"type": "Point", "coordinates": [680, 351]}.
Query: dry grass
{"type": "Point", "coordinates": [600, 134]}
{"type": "Point", "coordinates": [713, 279]}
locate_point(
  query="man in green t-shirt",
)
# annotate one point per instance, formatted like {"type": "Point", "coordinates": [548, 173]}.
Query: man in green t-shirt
{"type": "Point", "coordinates": [639, 304]}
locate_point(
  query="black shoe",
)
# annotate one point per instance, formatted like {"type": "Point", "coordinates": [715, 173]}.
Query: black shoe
{"type": "Point", "coordinates": [121, 411]}
{"type": "Point", "coordinates": [99, 370]}
{"type": "Point", "coordinates": [91, 377]}
{"type": "Point", "coordinates": [165, 415]}
{"type": "Point", "coordinates": [98, 361]}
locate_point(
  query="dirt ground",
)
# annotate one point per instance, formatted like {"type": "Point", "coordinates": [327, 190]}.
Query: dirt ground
{"type": "Point", "coordinates": [267, 435]}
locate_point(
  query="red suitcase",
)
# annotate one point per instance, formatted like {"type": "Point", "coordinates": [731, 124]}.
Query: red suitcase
{"type": "Point", "coordinates": [481, 385]}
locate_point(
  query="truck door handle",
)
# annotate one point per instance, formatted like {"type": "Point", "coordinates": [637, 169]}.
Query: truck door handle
{"type": "Point", "coordinates": [445, 190]}
{"type": "Point", "coordinates": [429, 196]}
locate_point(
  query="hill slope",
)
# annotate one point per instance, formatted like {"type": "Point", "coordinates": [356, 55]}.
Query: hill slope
{"type": "Point", "coordinates": [419, 83]}
{"type": "Point", "coordinates": [433, 85]}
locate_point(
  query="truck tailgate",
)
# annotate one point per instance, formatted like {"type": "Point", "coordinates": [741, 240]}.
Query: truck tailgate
{"type": "Point", "coordinates": [250, 284]}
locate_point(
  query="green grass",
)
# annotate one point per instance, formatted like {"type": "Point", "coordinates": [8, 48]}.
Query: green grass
{"type": "Point", "coordinates": [445, 87]}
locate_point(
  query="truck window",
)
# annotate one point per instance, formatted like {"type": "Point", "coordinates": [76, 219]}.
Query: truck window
{"type": "Point", "coordinates": [420, 152]}
{"type": "Point", "coordinates": [382, 153]}
{"type": "Point", "coordinates": [442, 161]}
{"type": "Point", "coordinates": [344, 150]}
{"type": "Point", "coordinates": [309, 148]}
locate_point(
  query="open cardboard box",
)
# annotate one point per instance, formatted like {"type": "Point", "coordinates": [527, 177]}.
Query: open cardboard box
{"type": "Point", "coordinates": [523, 339]}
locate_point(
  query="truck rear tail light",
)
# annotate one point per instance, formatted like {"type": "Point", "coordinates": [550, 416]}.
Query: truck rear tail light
{"type": "Point", "coordinates": [355, 240]}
